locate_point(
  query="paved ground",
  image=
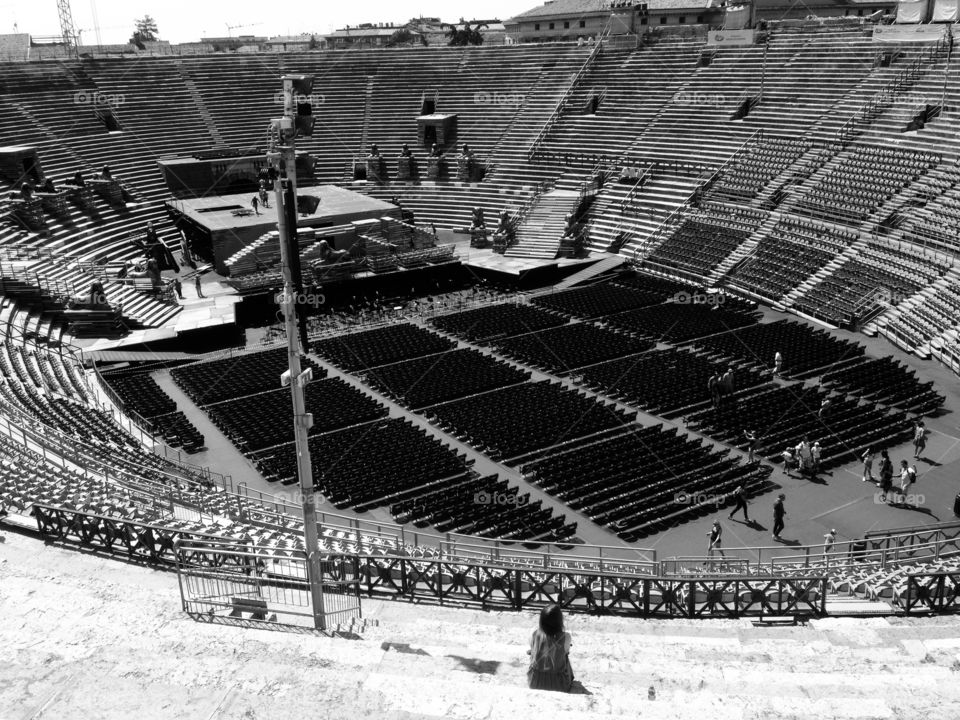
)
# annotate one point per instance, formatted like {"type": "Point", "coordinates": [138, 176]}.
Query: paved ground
{"type": "Point", "coordinates": [840, 500]}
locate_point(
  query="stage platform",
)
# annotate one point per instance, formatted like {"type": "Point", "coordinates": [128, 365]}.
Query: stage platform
{"type": "Point", "coordinates": [216, 310]}
{"type": "Point", "coordinates": [228, 223]}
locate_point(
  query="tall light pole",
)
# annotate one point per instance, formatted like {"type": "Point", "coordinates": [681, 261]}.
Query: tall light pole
{"type": "Point", "coordinates": [282, 162]}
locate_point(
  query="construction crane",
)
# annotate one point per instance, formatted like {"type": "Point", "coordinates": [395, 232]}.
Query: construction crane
{"type": "Point", "coordinates": [231, 28]}
{"type": "Point", "coordinates": [67, 30]}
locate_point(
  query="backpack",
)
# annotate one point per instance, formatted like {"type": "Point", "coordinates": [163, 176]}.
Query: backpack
{"type": "Point", "coordinates": [912, 474]}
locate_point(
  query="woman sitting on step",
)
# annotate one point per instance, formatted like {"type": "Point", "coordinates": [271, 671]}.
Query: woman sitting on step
{"type": "Point", "coordinates": [549, 653]}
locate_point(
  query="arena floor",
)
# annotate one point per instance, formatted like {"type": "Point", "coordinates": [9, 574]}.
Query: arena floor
{"type": "Point", "coordinates": [839, 500]}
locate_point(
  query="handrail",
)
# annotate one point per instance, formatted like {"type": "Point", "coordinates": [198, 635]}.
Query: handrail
{"type": "Point", "coordinates": [884, 97]}
{"type": "Point", "coordinates": [627, 201]}
{"type": "Point", "coordinates": [554, 116]}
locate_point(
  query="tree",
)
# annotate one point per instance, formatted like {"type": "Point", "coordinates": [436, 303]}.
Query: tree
{"type": "Point", "coordinates": [403, 36]}
{"type": "Point", "coordinates": [466, 35]}
{"type": "Point", "coordinates": [146, 31]}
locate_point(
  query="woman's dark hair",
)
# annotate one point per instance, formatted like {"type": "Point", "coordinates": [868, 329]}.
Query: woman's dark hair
{"type": "Point", "coordinates": [883, 454]}
{"type": "Point", "coordinates": [551, 620]}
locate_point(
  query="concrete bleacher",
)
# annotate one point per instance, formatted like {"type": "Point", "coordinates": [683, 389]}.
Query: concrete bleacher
{"type": "Point", "coordinates": [424, 662]}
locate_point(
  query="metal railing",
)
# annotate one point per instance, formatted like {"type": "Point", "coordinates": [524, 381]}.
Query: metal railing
{"type": "Point", "coordinates": [558, 109]}
{"type": "Point", "coordinates": [885, 97]}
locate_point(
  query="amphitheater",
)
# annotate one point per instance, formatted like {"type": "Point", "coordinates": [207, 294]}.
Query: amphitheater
{"type": "Point", "coordinates": [510, 392]}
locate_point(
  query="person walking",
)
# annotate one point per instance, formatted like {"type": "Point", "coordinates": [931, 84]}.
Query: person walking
{"type": "Point", "coordinates": [816, 452]}
{"type": "Point", "coordinates": [908, 476]}
{"type": "Point", "coordinates": [255, 204]}
{"type": "Point", "coordinates": [829, 539]}
{"type": "Point", "coordinates": [713, 387]}
{"type": "Point", "coordinates": [740, 497]}
{"type": "Point", "coordinates": [196, 283]}
{"type": "Point", "coordinates": [778, 515]}
{"type": "Point", "coordinates": [886, 474]}
{"type": "Point", "coordinates": [751, 437]}
{"type": "Point", "coordinates": [178, 287]}
{"type": "Point", "coordinates": [715, 534]}
{"type": "Point", "coordinates": [867, 459]}
{"type": "Point", "coordinates": [549, 653]}
{"type": "Point", "coordinates": [919, 438]}
{"type": "Point", "coordinates": [777, 364]}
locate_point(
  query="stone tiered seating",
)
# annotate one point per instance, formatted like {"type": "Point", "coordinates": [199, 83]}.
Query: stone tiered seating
{"type": "Point", "coordinates": [932, 319]}
{"type": "Point", "coordinates": [703, 239]}
{"type": "Point", "coordinates": [879, 274]}
{"type": "Point", "coordinates": [857, 183]}
{"type": "Point", "coordinates": [793, 251]}
{"type": "Point", "coordinates": [760, 164]}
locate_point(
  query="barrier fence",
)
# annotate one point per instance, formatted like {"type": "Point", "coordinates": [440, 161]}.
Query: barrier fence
{"type": "Point", "coordinates": [220, 572]}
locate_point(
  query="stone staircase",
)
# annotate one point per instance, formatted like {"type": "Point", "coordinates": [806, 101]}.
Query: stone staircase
{"type": "Point", "coordinates": [422, 662]}
{"type": "Point", "coordinates": [539, 234]}
{"type": "Point", "coordinates": [822, 273]}
{"type": "Point", "coordinates": [742, 252]}
{"type": "Point", "coordinates": [198, 100]}
{"type": "Point", "coordinates": [660, 196]}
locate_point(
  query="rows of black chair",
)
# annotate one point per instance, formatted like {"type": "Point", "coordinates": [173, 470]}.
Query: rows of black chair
{"type": "Point", "coordinates": [519, 419]}
{"type": "Point", "coordinates": [602, 299]}
{"type": "Point", "coordinates": [255, 422]}
{"type": "Point", "coordinates": [662, 382]}
{"type": "Point", "coordinates": [485, 506]}
{"type": "Point", "coordinates": [782, 416]}
{"type": "Point", "coordinates": [493, 321]}
{"type": "Point", "coordinates": [887, 381]}
{"type": "Point", "coordinates": [226, 378]}
{"type": "Point", "coordinates": [644, 480]}
{"type": "Point", "coordinates": [390, 344]}
{"type": "Point", "coordinates": [433, 379]}
{"type": "Point", "coordinates": [562, 349]}
{"type": "Point", "coordinates": [676, 322]}
{"type": "Point", "coordinates": [802, 348]}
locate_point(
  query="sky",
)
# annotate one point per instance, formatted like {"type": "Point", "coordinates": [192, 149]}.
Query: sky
{"type": "Point", "coordinates": [188, 20]}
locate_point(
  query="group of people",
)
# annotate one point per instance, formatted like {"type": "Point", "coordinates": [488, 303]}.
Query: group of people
{"type": "Point", "coordinates": [721, 387]}
{"type": "Point", "coordinates": [805, 458]}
